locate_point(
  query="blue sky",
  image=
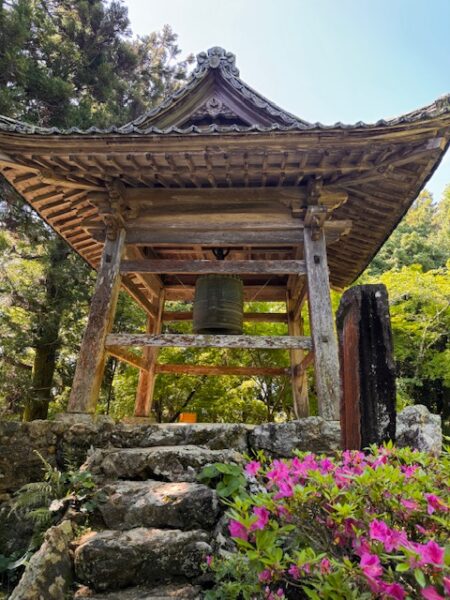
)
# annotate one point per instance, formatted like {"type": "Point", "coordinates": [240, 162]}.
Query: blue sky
{"type": "Point", "coordinates": [323, 60]}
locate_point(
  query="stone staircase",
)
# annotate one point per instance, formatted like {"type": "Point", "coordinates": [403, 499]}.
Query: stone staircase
{"type": "Point", "coordinates": [157, 523]}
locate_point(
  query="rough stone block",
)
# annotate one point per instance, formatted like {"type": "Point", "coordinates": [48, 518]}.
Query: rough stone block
{"type": "Point", "coordinates": [420, 429]}
{"type": "Point", "coordinates": [312, 434]}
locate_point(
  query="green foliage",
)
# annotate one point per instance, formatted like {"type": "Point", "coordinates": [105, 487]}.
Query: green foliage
{"type": "Point", "coordinates": [356, 526]}
{"type": "Point", "coordinates": [412, 265]}
{"type": "Point", "coordinates": [228, 479]}
{"type": "Point", "coordinates": [41, 502]}
{"type": "Point", "coordinates": [62, 63]}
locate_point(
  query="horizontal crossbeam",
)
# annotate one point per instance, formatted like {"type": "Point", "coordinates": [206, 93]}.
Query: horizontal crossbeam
{"type": "Point", "coordinates": [225, 370]}
{"type": "Point", "coordinates": [259, 317]}
{"type": "Point", "coordinates": [232, 267]}
{"type": "Point", "coordinates": [171, 340]}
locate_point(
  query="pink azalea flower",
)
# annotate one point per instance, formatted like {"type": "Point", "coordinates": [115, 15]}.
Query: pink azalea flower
{"type": "Point", "coordinates": [325, 566]}
{"type": "Point", "coordinates": [285, 490]}
{"type": "Point", "coordinates": [265, 576]}
{"type": "Point", "coordinates": [209, 560]}
{"type": "Point", "coordinates": [279, 472]}
{"type": "Point", "coordinates": [263, 517]}
{"type": "Point", "coordinates": [391, 538]}
{"type": "Point", "coordinates": [409, 470]}
{"type": "Point", "coordinates": [393, 590]}
{"type": "Point", "coordinates": [431, 553]}
{"type": "Point", "coordinates": [446, 582]}
{"type": "Point", "coordinates": [409, 504]}
{"type": "Point", "coordinates": [237, 530]}
{"type": "Point", "coordinates": [430, 593]}
{"type": "Point", "coordinates": [435, 503]}
{"type": "Point", "coordinates": [294, 572]}
{"type": "Point", "coordinates": [370, 565]}
{"type": "Point", "coordinates": [326, 465]}
{"type": "Point", "coordinates": [252, 468]}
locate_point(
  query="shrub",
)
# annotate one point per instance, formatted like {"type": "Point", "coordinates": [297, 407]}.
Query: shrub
{"type": "Point", "coordinates": [358, 526]}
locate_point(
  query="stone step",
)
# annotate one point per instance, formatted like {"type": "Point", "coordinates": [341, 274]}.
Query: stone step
{"type": "Point", "coordinates": [164, 463]}
{"type": "Point", "coordinates": [113, 560]}
{"type": "Point", "coordinates": [181, 505]}
{"type": "Point", "coordinates": [163, 592]}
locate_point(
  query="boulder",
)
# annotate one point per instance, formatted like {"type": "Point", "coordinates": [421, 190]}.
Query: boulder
{"type": "Point", "coordinates": [111, 560]}
{"type": "Point", "coordinates": [163, 592]}
{"type": "Point", "coordinates": [180, 505]}
{"type": "Point", "coordinates": [48, 575]}
{"type": "Point", "coordinates": [164, 463]}
{"type": "Point", "coordinates": [312, 434]}
{"type": "Point", "coordinates": [420, 429]}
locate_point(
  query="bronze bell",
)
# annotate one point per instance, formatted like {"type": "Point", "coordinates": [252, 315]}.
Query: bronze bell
{"type": "Point", "coordinates": [218, 305]}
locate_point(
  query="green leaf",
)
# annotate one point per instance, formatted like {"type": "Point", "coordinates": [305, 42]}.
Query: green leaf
{"type": "Point", "coordinates": [420, 577]}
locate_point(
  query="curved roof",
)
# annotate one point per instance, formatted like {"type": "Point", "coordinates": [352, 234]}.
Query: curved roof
{"type": "Point", "coordinates": [218, 133]}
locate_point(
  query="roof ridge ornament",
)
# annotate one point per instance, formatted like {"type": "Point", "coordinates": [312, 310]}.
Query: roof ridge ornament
{"type": "Point", "coordinates": [216, 58]}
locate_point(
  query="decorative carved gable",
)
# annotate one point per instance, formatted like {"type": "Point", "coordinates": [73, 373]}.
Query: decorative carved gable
{"type": "Point", "coordinates": [215, 95]}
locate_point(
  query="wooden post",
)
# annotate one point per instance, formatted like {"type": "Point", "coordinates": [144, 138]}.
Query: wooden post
{"type": "Point", "coordinates": [146, 383]}
{"type": "Point", "coordinates": [91, 361]}
{"type": "Point", "coordinates": [299, 379]}
{"type": "Point", "coordinates": [325, 346]}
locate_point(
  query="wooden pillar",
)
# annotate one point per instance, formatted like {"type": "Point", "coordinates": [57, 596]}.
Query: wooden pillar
{"type": "Point", "coordinates": [91, 360]}
{"type": "Point", "coordinates": [298, 377]}
{"type": "Point", "coordinates": [324, 339]}
{"type": "Point", "coordinates": [146, 383]}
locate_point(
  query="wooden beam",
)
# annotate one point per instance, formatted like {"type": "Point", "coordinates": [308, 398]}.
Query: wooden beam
{"type": "Point", "coordinates": [328, 384]}
{"type": "Point", "coordinates": [304, 364]}
{"type": "Point", "coordinates": [233, 267]}
{"type": "Point", "coordinates": [146, 383]}
{"type": "Point", "coordinates": [213, 237]}
{"type": "Point", "coordinates": [252, 293]}
{"type": "Point", "coordinates": [286, 194]}
{"type": "Point", "coordinates": [139, 296]}
{"type": "Point", "coordinates": [297, 355]}
{"type": "Point", "coordinates": [91, 360]}
{"type": "Point", "coordinates": [266, 317]}
{"type": "Point", "coordinates": [171, 340]}
{"type": "Point", "coordinates": [126, 356]}
{"type": "Point", "coordinates": [222, 370]}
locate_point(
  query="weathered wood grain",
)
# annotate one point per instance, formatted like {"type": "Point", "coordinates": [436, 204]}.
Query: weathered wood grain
{"type": "Point", "coordinates": [326, 358]}
{"type": "Point", "coordinates": [172, 340]}
{"type": "Point", "coordinates": [91, 360]}
{"type": "Point", "coordinates": [128, 357]}
{"type": "Point", "coordinates": [146, 383]}
{"type": "Point", "coordinates": [299, 380]}
{"type": "Point", "coordinates": [222, 370]}
{"type": "Point", "coordinates": [234, 267]}
{"type": "Point", "coordinates": [259, 317]}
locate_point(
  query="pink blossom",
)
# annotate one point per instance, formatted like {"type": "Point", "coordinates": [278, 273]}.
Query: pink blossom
{"type": "Point", "coordinates": [409, 470]}
{"type": "Point", "coordinates": [285, 490]}
{"type": "Point", "coordinates": [446, 582]}
{"type": "Point", "coordinates": [409, 504]}
{"type": "Point", "coordinates": [294, 572]}
{"type": "Point", "coordinates": [209, 560]}
{"type": "Point", "coordinates": [326, 465]}
{"type": "Point", "coordinates": [279, 472]}
{"type": "Point", "coordinates": [435, 503]}
{"type": "Point", "coordinates": [325, 566]}
{"type": "Point", "coordinates": [430, 593]}
{"type": "Point", "coordinates": [252, 468]}
{"type": "Point", "coordinates": [370, 565]}
{"type": "Point", "coordinates": [393, 590]}
{"type": "Point", "coordinates": [431, 553]}
{"type": "Point", "coordinates": [265, 576]}
{"type": "Point", "coordinates": [263, 517]}
{"type": "Point", "coordinates": [391, 538]}
{"type": "Point", "coordinates": [237, 530]}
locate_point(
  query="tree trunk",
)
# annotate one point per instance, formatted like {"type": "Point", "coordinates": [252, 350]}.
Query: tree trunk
{"type": "Point", "coordinates": [47, 341]}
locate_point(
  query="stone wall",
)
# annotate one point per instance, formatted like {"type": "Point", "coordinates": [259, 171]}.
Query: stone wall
{"type": "Point", "coordinates": [70, 440]}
